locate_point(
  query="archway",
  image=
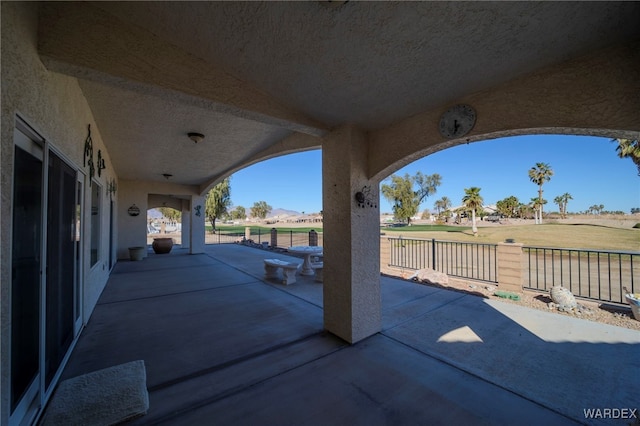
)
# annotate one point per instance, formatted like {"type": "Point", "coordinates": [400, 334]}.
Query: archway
{"type": "Point", "coordinates": [166, 215]}
{"type": "Point", "coordinates": [587, 169]}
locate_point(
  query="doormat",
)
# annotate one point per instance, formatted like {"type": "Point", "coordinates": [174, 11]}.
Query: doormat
{"type": "Point", "coordinates": [103, 397]}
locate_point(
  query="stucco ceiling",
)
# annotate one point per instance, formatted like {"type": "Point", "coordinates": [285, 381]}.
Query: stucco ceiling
{"type": "Point", "coordinates": [287, 67]}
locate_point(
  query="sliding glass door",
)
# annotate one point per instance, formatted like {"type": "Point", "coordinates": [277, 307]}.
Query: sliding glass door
{"type": "Point", "coordinates": [47, 273]}
{"type": "Point", "coordinates": [26, 269]}
{"type": "Point", "coordinates": [61, 218]}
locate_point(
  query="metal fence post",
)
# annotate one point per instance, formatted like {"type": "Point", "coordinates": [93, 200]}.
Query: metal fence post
{"type": "Point", "coordinates": [433, 254]}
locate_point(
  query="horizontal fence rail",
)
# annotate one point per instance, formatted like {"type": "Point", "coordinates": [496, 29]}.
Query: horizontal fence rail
{"type": "Point", "coordinates": [284, 238]}
{"type": "Point", "coordinates": [460, 259]}
{"type": "Point", "coordinates": [590, 274]}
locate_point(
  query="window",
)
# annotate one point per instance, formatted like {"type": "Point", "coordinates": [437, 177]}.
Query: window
{"type": "Point", "coordinates": [96, 190]}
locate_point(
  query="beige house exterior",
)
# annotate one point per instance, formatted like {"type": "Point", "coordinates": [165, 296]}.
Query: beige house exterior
{"type": "Point", "coordinates": [366, 82]}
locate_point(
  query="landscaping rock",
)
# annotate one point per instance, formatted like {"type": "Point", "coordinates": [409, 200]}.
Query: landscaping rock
{"type": "Point", "coordinates": [430, 276]}
{"type": "Point", "coordinates": [563, 298]}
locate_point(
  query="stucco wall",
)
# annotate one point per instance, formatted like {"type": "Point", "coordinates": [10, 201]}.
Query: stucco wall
{"type": "Point", "coordinates": [133, 229]}
{"type": "Point", "coordinates": [55, 107]}
{"type": "Point", "coordinates": [352, 304]}
{"type": "Point", "coordinates": [596, 95]}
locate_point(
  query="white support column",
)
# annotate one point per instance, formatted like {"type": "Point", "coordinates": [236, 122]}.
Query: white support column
{"type": "Point", "coordinates": [352, 304]}
{"type": "Point", "coordinates": [197, 225]}
{"type": "Point", "coordinates": [186, 224]}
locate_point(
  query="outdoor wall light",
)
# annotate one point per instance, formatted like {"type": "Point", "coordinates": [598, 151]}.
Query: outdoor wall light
{"type": "Point", "coordinates": [195, 137]}
{"type": "Point", "coordinates": [363, 197]}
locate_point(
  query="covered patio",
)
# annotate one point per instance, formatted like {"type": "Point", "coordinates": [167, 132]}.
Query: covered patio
{"type": "Point", "coordinates": [112, 108]}
{"type": "Point", "coordinates": [222, 345]}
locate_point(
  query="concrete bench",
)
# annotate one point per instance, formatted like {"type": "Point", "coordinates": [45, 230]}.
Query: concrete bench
{"type": "Point", "coordinates": [289, 270]}
{"type": "Point", "coordinates": [317, 266]}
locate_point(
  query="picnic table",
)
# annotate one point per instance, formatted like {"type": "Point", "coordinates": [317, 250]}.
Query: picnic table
{"type": "Point", "coordinates": [307, 251]}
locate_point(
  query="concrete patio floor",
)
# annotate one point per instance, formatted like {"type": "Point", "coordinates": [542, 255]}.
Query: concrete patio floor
{"type": "Point", "coordinates": [223, 346]}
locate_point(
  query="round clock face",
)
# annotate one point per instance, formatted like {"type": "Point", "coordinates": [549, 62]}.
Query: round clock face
{"type": "Point", "coordinates": [457, 121]}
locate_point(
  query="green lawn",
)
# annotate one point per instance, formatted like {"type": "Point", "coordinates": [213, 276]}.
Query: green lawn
{"type": "Point", "coordinates": [545, 235]}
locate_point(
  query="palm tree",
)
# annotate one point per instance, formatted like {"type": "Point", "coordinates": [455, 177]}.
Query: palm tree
{"type": "Point", "coordinates": [540, 174]}
{"type": "Point", "coordinates": [442, 205]}
{"type": "Point", "coordinates": [560, 203]}
{"type": "Point", "coordinates": [534, 205]}
{"type": "Point", "coordinates": [629, 148]}
{"type": "Point", "coordinates": [473, 201]}
{"type": "Point", "coordinates": [565, 200]}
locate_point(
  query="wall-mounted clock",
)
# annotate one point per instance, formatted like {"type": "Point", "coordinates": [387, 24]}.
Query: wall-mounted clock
{"type": "Point", "coordinates": [457, 121]}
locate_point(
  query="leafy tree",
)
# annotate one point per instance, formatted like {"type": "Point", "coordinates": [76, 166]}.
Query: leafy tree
{"type": "Point", "coordinates": [539, 174]}
{"type": "Point", "coordinates": [629, 148]}
{"type": "Point", "coordinates": [473, 201]}
{"type": "Point", "coordinates": [508, 207]}
{"type": "Point", "coordinates": [217, 202]}
{"type": "Point", "coordinates": [239, 213]}
{"type": "Point", "coordinates": [427, 185]}
{"type": "Point", "coordinates": [404, 198]}
{"type": "Point", "coordinates": [170, 213]}
{"type": "Point", "coordinates": [260, 209]}
{"type": "Point", "coordinates": [400, 194]}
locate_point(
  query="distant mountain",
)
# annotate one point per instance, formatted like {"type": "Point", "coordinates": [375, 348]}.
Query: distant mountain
{"type": "Point", "coordinates": [282, 212]}
{"type": "Point", "coordinates": [154, 214]}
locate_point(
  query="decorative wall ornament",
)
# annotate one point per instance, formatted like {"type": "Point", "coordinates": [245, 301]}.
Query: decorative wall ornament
{"type": "Point", "coordinates": [133, 210]}
{"type": "Point", "coordinates": [100, 164]}
{"type": "Point", "coordinates": [198, 210]}
{"type": "Point", "coordinates": [112, 187]}
{"type": "Point", "coordinates": [364, 197]}
{"type": "Point", "coordinates": [88, 155]}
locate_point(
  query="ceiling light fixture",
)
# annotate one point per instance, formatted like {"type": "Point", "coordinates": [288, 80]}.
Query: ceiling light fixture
{"type": "Point", "coordinates": [196, 137]}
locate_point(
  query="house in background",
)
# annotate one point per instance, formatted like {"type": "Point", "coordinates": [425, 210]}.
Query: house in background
{"type": "Point", "coordinates": [112, 108]}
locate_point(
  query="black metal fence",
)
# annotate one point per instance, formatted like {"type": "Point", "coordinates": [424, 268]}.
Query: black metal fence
{"type": "Point", "coordinates": [591, 274]}
{"type": "Point", "coordinates": [284, 238]}
{"type": "Point", "coordinates": [460, 259]}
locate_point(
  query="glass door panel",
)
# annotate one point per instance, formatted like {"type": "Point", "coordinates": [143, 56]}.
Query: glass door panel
{"type": "Point", "coordinates": [61, 264]}
{"type": "Point", "coordinates": [25, 269]}
{"type": "Point", "coordinates": [78, 279]}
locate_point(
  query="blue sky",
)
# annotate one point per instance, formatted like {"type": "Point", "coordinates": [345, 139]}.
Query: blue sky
{"type": "Point", "coordinates": [586, 167]}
